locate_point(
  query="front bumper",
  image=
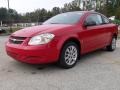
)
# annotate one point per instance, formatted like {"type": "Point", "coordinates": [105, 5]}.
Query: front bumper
{"type": "Point", "coordinates": [32, 54]}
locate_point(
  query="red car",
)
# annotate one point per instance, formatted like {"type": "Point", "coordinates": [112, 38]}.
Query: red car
{"type": "Point", "coordinates": [63, 39]}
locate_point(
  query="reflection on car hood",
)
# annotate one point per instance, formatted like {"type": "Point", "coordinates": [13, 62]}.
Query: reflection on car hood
{"type": "Point", "coordinates": [31, 31]}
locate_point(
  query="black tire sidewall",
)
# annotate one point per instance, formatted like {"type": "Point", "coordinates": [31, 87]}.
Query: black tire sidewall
{"type": "Point", "coordinates": [109, 48]}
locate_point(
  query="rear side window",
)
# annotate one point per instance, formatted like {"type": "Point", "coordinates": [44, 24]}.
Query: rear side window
{"type": "Point", "coordinates": [94, 18]}
{"type": "Point", "coordinates": [105, 20]}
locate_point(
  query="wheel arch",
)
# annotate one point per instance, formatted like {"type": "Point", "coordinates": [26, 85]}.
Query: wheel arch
{"type": "Point", "coordinates": [71, 39]}
{"type": "Point", "coordinates": [115, 35]}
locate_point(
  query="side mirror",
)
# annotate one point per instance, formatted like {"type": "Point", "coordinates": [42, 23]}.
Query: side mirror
{"type": "Point", "coordinates": [91, 23]}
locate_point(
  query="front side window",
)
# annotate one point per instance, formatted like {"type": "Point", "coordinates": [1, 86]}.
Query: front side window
{"type": "Point", "coordinates": [65, 18]}
{"type": "Point", "coordinates": [96, 18]}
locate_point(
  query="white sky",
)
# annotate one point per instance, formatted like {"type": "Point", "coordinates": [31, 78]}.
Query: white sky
{"type": "Point", "coordinates": [23, 6]}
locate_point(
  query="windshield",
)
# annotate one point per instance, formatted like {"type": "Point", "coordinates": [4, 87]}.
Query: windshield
{"type": "Point", "coordinates": [65, 18]}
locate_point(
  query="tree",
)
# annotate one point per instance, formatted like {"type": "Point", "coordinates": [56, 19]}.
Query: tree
{"type": "Point", "coordinates": [107, 7]}
{"type": "Point", "coordinates": [3, 14]}
{"type": "Point", "coordinates": [42, 15]}
{"type": "Point", "coordinates": [111, 8]}
{"type": "Point", "coordinates": [73, 6]}
{"type": "Point", "coordinates": [55, 10]}
{"type": "Point", "coordinates": [13, 15]}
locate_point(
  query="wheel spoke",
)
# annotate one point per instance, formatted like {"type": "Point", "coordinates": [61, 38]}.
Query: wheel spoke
{"type": "Point", "coordinates": [71, 55]}
{"type": "Point", "coordinates": [113, 43]}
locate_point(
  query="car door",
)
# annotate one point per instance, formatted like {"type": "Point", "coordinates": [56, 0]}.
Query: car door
{"type": "Point", "coordinates": [108, 29]}
{"type": "Point", "coordinates": [93, 35]}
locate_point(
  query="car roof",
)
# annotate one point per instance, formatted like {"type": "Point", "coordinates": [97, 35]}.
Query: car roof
{"type": "Point", "coordinates": [84, 12]}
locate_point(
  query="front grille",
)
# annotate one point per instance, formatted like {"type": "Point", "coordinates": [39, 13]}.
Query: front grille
{"type": "Point", "coordinates": [16, 40]}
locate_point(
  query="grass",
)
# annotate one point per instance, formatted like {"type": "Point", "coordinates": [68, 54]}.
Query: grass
{"type": "Point", "coordinates": [15, 29]}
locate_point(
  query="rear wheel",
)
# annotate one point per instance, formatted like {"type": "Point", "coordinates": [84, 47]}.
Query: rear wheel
{"type": "Point", "coordinates": [112, 46]}
{"type": "Point", "coordinates": [69, 55]}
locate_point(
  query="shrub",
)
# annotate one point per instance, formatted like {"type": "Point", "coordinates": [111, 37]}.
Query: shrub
{"type": "Point", "coordinates": [116, 21]}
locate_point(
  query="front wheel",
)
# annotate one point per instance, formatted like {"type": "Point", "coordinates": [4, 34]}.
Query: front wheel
{"type": "Point", "coordinates": [69, 55]}
{"type": "Point", "coordinates": [112, 46]}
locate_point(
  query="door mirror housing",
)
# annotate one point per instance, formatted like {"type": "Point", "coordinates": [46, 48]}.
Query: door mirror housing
{"type": "Point", "coordinates": [91, 23]}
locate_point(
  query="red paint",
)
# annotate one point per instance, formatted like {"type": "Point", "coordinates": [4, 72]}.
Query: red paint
{"type": "Point", "coordinates": [90, 39]}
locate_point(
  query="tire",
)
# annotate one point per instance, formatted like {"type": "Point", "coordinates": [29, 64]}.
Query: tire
{"type": "Point", "coordinates": [69, 55]}
{"type": "Point", "coordinates": [112, 45]}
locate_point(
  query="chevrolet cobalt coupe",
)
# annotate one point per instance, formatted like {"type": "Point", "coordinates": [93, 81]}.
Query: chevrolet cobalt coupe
{"type": "Point", "coordinates": [63, 39]}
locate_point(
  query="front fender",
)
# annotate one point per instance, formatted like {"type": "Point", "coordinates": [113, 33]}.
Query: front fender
{"type": "Point", "coordinates": [64, 39]}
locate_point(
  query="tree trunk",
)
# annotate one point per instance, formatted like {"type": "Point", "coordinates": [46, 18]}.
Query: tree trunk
{"type": "Point", "coordinates": [1, 23]}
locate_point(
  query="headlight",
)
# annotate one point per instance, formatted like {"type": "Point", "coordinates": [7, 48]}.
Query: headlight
{"type": "Point", "coordinates": [41, 39]}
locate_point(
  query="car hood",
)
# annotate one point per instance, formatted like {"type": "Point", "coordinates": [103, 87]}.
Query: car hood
{"type": "Point", "coordinates": [31, 31]}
